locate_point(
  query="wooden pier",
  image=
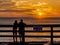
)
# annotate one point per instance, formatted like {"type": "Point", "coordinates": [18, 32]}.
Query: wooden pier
{"type": "Point", "coordinates": [33, 43]}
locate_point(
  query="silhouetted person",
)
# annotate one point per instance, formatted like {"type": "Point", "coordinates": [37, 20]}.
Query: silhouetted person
{"type": "Point", "coordinates": [22, 30]}
{"type": "Point", "coordinates": [15, 30]}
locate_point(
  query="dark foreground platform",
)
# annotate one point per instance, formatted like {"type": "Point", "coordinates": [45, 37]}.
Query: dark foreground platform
{"type": "Point", "coordinates": [55, 43]}
{"type": "Point", "coordinates": [26, 43]}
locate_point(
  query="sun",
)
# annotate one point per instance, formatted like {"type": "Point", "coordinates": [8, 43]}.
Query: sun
{"type": "Point", "coordinates": [40, 13]}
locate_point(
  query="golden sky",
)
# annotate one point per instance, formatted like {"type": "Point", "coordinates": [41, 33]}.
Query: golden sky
{"type": "Point", "coordinates": [30, 8]}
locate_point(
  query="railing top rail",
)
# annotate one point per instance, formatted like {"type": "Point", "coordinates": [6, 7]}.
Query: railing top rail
{"type": "Point", "coordinates": [43, 25]}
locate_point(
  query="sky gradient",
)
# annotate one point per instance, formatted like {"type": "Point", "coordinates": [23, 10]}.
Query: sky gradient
{"type": "Point", "coordinates": [30, 8]}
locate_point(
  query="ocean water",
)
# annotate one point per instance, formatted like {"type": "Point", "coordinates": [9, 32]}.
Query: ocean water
{"type": "Point", "coordinates": [10, 21]}
{"type": "Point", "coordinates": [30, 20]}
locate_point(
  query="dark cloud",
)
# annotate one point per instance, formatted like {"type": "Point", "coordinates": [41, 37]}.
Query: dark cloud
{"type": "Point", "coordinates": [6, 4]}
{"type": "Point", "coordinates": [9, 10]}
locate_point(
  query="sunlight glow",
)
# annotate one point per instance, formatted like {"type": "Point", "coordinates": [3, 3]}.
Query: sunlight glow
{"type": "Point", "coordinates": [40, 13]}
{"type": "Point", "coordinates": [40, 4]}
{"type": "Point", "coordinates": [43, 10]}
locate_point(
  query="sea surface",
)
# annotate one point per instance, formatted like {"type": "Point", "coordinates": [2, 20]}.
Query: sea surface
{"type": "Point", "coordinates": [10, 21]}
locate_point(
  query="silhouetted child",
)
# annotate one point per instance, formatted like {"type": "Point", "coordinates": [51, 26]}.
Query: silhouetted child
{"type": "Point", "coordinates": [22, 29]}
{"type": "Point", "coordinates": [15, 30]}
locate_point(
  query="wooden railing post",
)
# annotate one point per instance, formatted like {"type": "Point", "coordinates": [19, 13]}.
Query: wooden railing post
{"type": "Point", "coordinates": [51, 35]}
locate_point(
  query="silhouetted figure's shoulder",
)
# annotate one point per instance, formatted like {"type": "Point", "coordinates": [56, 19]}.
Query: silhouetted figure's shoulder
{"type": "Point", "coordinates": [21, 23]}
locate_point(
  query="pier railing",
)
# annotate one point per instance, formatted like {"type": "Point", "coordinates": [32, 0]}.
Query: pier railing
{"type": "Point", "coordinates": [42, 25]}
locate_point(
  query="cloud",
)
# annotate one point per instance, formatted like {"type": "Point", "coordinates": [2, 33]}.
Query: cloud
{"type": "Point", "coordinates": [21, 10]}
{"type": "Point", "coordinates": [6, 4]}
{"type": "Point", "coordinates": [9, 4]}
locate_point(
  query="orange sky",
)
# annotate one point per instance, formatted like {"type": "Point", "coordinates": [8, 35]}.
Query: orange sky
{"type": "Point", "coordinates": [30, 8]}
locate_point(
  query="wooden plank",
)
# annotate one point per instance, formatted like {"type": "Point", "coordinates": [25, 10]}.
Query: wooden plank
{"type": "Point", "coordinates": [29, 31]}
{"type": "Point", "coordinates": [30, 36]}
{"type": "Point", "coordinates": [44, 31]}
{"type": "Point", "coordinates": [29, 42]}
